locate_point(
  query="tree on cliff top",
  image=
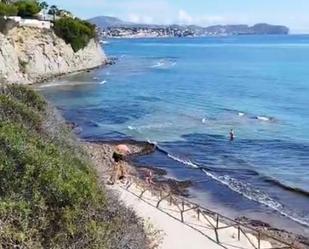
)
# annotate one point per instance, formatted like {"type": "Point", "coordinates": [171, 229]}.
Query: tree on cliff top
{"type": "Point", "coordinates": [8, 9]}
{"type": "Point", "coordinates": [28, 8]}
{"type": "Point", "coordinates": [44, 5]}
{"type": "Point", "coordinates": [76, 32]}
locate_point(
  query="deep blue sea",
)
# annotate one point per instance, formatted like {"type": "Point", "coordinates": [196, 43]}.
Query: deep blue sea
{"type": "Point", "coordinates": [186, 95]}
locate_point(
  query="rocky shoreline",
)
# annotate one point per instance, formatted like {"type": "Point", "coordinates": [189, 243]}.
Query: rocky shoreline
{"type": "Point", "coordinates": [101, 154]}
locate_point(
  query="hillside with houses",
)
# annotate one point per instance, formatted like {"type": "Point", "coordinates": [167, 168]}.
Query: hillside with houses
{"type": "Point", "coordinates": [32, 14]}
{"type": "Point", "coordinates": [111, 27]}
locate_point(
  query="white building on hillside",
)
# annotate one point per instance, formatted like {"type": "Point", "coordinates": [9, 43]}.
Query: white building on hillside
{"type": "Point", "coordinates": [31, 22]}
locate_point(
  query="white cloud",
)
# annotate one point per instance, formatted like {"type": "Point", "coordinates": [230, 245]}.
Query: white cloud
{"type": "Point", "coordinates": [139, 18]}
{"type": "Point", "coordinates": [212, 20]}
{"type": "Point", "coordinates": [205, 20]}
{"type": "Point", "coordinates": [133, 18]}
{"type": "Point", "coordinates": [158, 11]}
{"type": "Point", "coordinates": [184, 17]}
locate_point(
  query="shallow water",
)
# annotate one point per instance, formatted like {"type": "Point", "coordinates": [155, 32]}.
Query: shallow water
{"type": "Point", "coordinates": [186, 94]}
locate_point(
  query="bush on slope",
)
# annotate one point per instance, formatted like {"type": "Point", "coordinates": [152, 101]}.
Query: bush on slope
{"type": "Point", "coordinates": [49, 193]}
{"type": "Point", "coordinates": [74, 31]}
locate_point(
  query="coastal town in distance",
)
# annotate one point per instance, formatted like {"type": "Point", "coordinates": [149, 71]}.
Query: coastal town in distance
{"type": "Point", "coordinates": [111, 27]}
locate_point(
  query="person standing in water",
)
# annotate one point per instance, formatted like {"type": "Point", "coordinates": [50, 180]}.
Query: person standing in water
{"type": "Point", "coordinates": [232, 135]}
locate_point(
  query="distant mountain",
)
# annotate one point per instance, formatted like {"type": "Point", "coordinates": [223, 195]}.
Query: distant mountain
{"type": "Point", "coordinates": [108, 21]}
{"type": "Point", "coordinates": [264, 28]}
{"type": "Point", "coordinates": [257, 29]}
{"type": "Point", "coordinates": [104, 22]}
{"type": "Point", "coordinates": [228, 29]}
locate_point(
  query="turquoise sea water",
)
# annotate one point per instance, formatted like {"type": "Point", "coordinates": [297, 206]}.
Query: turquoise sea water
{"type": "Point", "coordinates": [186, 94]}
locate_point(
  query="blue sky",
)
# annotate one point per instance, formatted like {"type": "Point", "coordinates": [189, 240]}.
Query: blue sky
{"type": "Point", "coordinates": [293, 13]}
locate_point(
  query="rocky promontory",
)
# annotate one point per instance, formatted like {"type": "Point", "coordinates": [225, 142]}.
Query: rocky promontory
{"type": "Point", "coordinates": [29, 55]}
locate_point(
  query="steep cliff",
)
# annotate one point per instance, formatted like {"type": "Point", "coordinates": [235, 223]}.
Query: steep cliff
{"type": "Point", "coordinates": [29, 55]}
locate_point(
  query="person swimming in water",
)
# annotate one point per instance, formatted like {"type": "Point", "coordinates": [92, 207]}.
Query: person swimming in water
{"type": "Point", "coordinates": [232, 135]}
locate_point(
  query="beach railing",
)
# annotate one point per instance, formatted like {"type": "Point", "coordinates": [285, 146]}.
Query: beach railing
{"type": "Point", "coordinates": [214, 221]}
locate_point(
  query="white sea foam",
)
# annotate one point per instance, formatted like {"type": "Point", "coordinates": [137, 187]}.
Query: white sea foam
{"type": "Point", "coordinates": [204, 120]}
{"type": "Point", "coordinates": [158, 64]}
{"type": "Point", "coordinates": [251, 193]}
{"type": "Point", "coordinates": [154, 126]}
{"type": "Point", "coordinates": [103, 82]}
{"type": "Point", "coordinates": [64, 83]}
{"type": "Point", "coordinates": [241, 114]}
{"type": "Point", "coordinates": [186, 162]}
{"type": "Point", "coordinates": [131, 127]}
{"type": "Point", "coordinates": [152, 142]}
{"type": "Point", "coordinates": [262, 118]}
{"type": "Point", "coordinates": [164, 64]}
{"type": "Point", "coordinates": [50, 85]}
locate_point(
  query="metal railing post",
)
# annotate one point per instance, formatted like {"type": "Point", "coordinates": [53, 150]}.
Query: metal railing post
{"type": "Point", "coordinates": [217, 221]}
{"type": "Point", "coordinates": [216, 229]}
{"type": "Point", "coordinates": [182, 210]}
{"type": "Point", "coordinates": [215, 217]}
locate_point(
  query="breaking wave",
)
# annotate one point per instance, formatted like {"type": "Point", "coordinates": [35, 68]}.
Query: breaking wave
{"type": "Point", "coordinates": [149, 127]}
{"type": "Point", "coordinates": [164, 64]}
{"type": "Point", "coordinates": [264, 118]}
{"type": "Point", "coordinates": [246, 189]}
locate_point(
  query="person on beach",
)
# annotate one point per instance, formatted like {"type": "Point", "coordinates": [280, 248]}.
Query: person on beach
{"type": "Point", "coordinates": [149, 177]}
{"type": "Point", "coordinates": [120, 171]}
{"type": "Point", "coordinates": [117, 171]}
{"type": "Point", "coordinates": [232, 135]}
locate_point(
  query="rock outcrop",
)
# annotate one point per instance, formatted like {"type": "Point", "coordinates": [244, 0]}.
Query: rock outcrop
{"type": "Point", "coordinates": [30, 55]}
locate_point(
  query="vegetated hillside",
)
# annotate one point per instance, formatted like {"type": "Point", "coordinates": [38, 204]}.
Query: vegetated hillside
{"type": "Point", "coordinates": [49, 192]}
{"type": "Point", "coordinates": [264, 28]}
{"type": "Point", "coordinates": [108, 21]}
{"type": "Point", "coordinates": [257, 29]}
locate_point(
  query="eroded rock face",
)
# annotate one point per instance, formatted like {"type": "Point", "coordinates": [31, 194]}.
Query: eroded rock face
{"type": "Point", "coordinates": [29, 55]}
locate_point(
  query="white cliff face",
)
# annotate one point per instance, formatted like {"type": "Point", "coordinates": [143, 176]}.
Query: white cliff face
{"type": "Point", "coordinates": [29, 55]}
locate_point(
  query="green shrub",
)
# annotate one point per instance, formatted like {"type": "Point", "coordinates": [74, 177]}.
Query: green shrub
{"type": "Point", "coordinates": [76, 32]}
{"type": "Point", "coordinates": [8, 9]}
{"type": "Point", "coordinates": [28, 8]}
{"type": "Point", "coordinates": [49, 192]}
{"type": "Point", "coordinates": [52, 190]}
{"type": "Point", "coordinates": [12, 110]}
{"type": "Point", "coordinates": [26, 96]}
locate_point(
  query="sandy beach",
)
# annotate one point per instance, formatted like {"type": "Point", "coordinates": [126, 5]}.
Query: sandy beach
{"type": "Point", "coordinates": [192, 233]}
{"type": "Point", "coordinates": [176, 224]}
